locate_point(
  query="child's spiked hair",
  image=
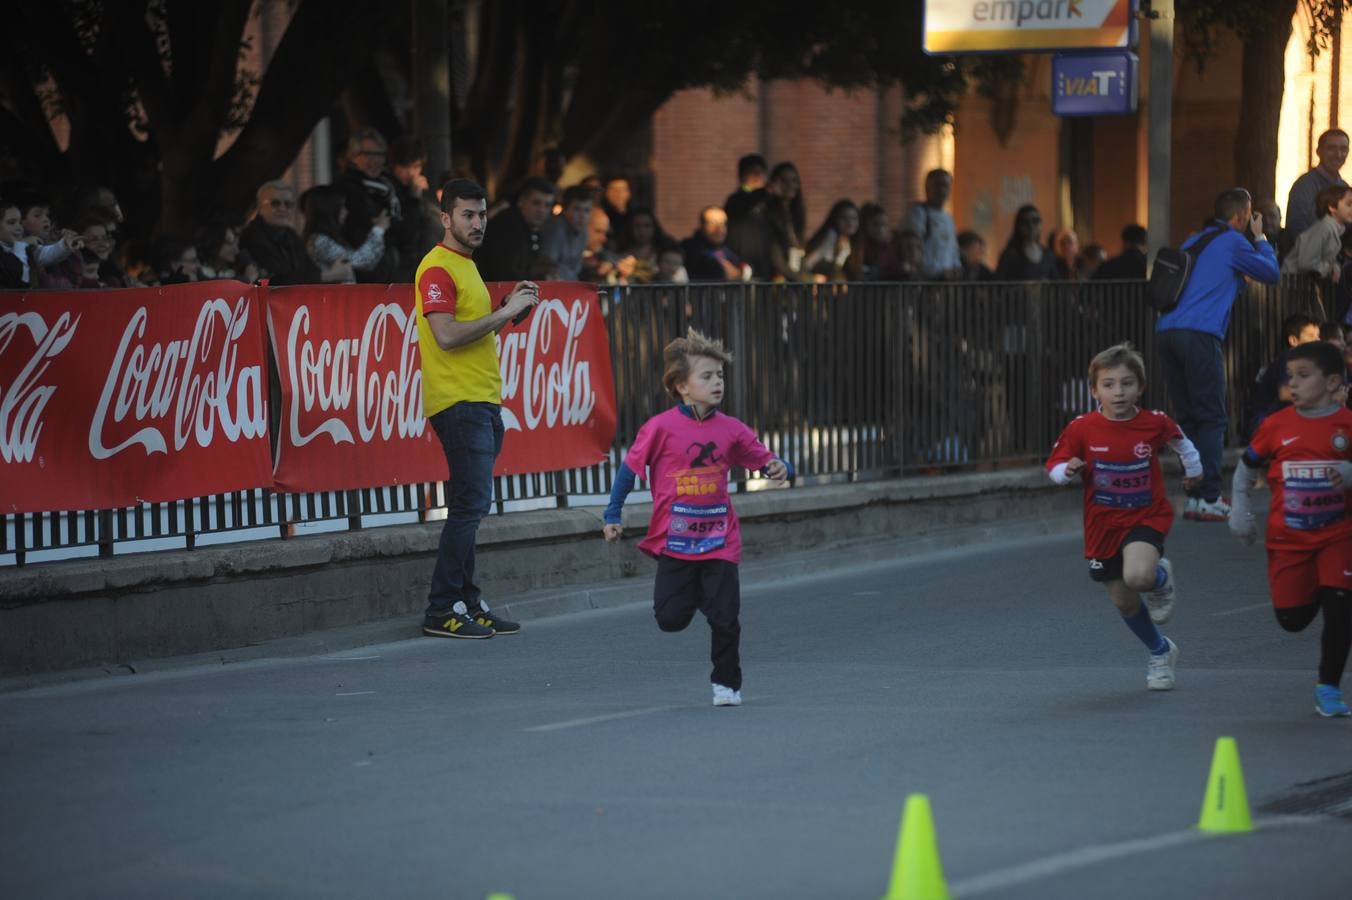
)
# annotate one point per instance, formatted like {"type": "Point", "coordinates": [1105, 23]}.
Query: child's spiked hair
{"type": "Point", "coordinates": [677, 358]}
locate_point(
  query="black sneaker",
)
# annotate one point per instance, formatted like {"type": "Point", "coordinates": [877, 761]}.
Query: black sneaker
{"type": "Point", "coordinates": [454, 625]}
{"type": "Point", "coordinates": [489, 619]}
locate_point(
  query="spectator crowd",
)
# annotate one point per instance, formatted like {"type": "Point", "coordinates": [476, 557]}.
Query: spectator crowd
{"type": "Point", "coordinates": [379, 216]}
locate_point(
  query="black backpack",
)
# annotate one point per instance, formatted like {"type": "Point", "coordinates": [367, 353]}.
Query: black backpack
{"type": "Point", "coordinates": [1172, 269]}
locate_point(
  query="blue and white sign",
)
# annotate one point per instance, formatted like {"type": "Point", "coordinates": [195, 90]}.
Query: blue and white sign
{"type": "Point", "coordinates": [1094, 84]}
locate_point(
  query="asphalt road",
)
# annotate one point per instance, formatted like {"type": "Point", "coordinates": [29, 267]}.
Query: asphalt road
{"type": "Point", "coordinates": [581, 759]}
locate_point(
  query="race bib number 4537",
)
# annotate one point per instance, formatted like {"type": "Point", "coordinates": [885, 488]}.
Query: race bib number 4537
{"type": "Point", "coordinates": [1122, 485]}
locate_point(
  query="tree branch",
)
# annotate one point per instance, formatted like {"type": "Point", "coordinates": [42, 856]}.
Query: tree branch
{"type": "Point", "coordinates": [204, 40]}
{"type": "Point", "coordinates": [136, 45]}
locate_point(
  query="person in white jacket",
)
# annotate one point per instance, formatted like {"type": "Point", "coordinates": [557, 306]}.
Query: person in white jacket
{"type": "Point", "coordinates": [1317, 249]}
{"type": "Point", "coordinates": [325, 212]}
{"type": "Point", "coordinates": [20, 258]}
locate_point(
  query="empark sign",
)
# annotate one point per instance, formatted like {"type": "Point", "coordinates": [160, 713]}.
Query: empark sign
{"type": "Point", "coordinates": [1027, 26]}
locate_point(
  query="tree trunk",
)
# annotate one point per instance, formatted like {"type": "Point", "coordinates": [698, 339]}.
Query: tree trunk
{"type": "Point", "coordinates": [366, 104]}
{"type": "Point", "coordinates": [187, 107]}
{"type": "Point", "coordinates": [1263, 82]}
{"type": "Point", "coordinates": [432, 82]}
{"type": "Point", "coordinates": [490, 91]}
{"type": "Point", "coordinates": [598, 117]}
{"type": "Point", "coordinates": [90, 86]}
{"type": "Point", "coordinates": [24, 132]}
{"type": "Point", "coordinates": [526, 96]}
{"type": "Point", "coordinates": [324, 44]}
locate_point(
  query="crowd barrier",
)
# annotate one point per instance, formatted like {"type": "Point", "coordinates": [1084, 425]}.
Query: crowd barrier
{"type": "Point", "coordinates": [187, 416]}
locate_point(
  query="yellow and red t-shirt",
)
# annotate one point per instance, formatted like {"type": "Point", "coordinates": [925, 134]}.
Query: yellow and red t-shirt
{"type": "Point", "coordinates": [448, 282]}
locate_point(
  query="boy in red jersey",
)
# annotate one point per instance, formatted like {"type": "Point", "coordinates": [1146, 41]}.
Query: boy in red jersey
{"type": "Point", "coordinates": [1115, 452]}
{"type": "Point", "coordinates": [1306, 449]}
{"type": "Point", "coordinates": [693, 531]}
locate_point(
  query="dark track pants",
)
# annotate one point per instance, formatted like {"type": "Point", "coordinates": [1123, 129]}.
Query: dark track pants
{"type": "Point", "coordinates": [712, 587]}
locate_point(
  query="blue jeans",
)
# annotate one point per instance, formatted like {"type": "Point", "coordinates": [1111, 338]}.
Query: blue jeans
{"type": "Point", "coordinates": [1194, 373]}
{"type": "Point", "coordinates": [471, 436]}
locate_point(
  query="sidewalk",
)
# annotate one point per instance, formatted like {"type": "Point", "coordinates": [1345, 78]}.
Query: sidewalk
{"type": "Point", "coordinates": [124, 612]}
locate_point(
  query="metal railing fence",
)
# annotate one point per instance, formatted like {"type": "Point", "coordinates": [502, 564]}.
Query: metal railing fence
{"type": "Point", "coordinates": [847, 381]}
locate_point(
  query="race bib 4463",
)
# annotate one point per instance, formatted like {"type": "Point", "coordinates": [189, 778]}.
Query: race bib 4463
{"type": "Point", "coordinates": [1310, 499]}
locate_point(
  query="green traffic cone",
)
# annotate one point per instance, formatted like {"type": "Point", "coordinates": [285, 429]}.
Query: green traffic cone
{"type": "Point", "coordinates": [917, 873]}
{"type": "Point", "coordinates": [1225, 810]}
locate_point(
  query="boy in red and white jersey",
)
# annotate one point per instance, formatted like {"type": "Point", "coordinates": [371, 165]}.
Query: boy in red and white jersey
{"type": "Point", "coordinates": [1307, 449]}
{"type": "Point", "coordinates": [1115, 452]}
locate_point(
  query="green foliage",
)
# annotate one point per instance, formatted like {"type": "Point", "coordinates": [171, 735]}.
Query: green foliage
{"type": "Point", "coordinates": [1200, 20]}
{"type": "Point", "coordinates": [149, 86]}
{"type": "Point", "coordinates": [878, 44]}
{"type": "Point", "coordinates": [861, 44]}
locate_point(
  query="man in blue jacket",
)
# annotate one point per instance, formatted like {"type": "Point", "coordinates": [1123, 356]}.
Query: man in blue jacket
{"type": "Point", "coordinates": [1188, 338]}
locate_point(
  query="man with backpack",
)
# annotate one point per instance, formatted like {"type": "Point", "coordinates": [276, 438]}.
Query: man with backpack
{"type": "Point", "coordinates": [1188, 337]}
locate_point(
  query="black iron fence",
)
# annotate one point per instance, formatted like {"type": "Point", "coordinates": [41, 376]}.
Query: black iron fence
{"type": "Point", "coordinates": [848, 381]}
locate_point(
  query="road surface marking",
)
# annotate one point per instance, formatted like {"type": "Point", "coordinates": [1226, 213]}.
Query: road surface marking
{"type": "Point", "coordinates": [1243, 609]}
{"type": "Point", "coordinates": [593, 720]}
{"type": "Point", "coordinates": [1059, 863]}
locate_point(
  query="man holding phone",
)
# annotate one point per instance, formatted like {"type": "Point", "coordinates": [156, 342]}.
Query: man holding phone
{"type": "Point", "coordinates": [462, 399]}
{"type": "Point", "coordinates": [1189, 338]}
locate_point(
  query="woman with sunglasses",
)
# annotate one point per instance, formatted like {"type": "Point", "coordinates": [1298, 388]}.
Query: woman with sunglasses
{"type": "Point", "coordinates": [1025, 257]}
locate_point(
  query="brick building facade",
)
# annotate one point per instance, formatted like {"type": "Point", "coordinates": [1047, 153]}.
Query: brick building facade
{"type": "Point", "coordinates": [1086, 174]}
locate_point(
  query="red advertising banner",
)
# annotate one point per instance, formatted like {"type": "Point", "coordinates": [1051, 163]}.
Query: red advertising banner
{"type": "Point", "coordinates": [351, 386]}
{"type": "Point", "coordinates": [111, 398]}
{"type": "Point", "coordinates": [558, 392]}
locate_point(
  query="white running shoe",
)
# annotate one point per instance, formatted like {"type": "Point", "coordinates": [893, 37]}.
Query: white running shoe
{"type": "Point", "coordinates": [1212, 510]}
{"type": "Point", "coordinates": [726, 696]}
{"type": "Point", "coordinates": [1160, 603]}
{"type": "Point", "coordinates": [1190, 507]}
{"type": "Point", "coordinates": [1159, 676]}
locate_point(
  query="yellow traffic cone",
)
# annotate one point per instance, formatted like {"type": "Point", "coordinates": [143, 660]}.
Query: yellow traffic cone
{"type": "Point", "coordinates": [917, 873]}
{"type": "Point", "coordinates": [1226, 807]}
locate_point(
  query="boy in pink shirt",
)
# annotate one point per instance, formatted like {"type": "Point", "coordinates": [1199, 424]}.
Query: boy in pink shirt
{"type": "Point", "coordinates": [693, 532]}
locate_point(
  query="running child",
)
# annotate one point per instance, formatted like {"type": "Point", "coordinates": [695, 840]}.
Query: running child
{"type": "Point", "coordinates": [693, 532]}
{"type": "Point", "coordinates": [1306, 449]}
{"type": "Point", "coordinates": [1115, 452]}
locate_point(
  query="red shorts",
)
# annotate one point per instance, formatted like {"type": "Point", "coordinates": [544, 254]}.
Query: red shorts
{"type": "Point", "coordinates": [1295, 576]}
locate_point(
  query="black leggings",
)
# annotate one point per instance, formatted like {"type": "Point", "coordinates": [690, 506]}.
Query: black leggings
{"type": "Point", "coordinates": [712, 587]}
{"type": "Point", "coordinates": [1336, 638]}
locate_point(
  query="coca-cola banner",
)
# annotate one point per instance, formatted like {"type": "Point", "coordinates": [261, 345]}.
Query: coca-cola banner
{"type": "Point", "coordinates": [111, 398]}
{"type": "Point", "coordinates": [351, 385]}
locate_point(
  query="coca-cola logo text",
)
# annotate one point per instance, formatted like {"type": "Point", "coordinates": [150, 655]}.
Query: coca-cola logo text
{"type": "Point", "coordinates": [557, 392]}
{"type": "Point", "coordinates": [386, 385]}
{"type": "Point", "coordinates": [24, 398]}
{"type": "Point", "coordinates": [181, 390]}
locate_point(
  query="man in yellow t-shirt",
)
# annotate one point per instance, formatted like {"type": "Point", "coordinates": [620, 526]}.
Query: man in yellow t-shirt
{"type": "Point", "coordinates": [462, 397]}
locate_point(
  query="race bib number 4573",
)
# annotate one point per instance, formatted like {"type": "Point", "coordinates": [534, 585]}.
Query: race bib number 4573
{"type": "Point", "coordinates": [696, 528]}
